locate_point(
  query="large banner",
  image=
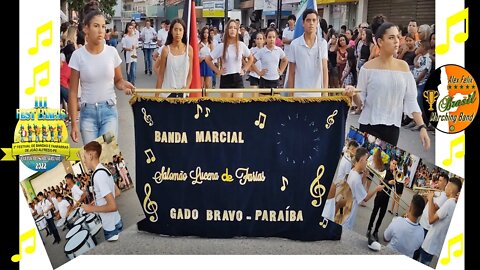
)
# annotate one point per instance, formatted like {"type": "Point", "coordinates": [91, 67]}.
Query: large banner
{"type": "Point", "coordinates": [222, 168]}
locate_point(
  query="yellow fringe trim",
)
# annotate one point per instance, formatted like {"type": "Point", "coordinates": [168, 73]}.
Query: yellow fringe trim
{"type": "Point", "coordinates": [138, 98]}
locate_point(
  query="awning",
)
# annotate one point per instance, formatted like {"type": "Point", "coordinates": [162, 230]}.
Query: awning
{"type": "Point", "coordinates": [325, 2]}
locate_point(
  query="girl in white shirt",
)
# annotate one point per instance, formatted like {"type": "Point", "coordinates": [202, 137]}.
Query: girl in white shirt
{"type": "Point", "coordinates": [231, 52]}
{"type": "Point", "coordinates": [130, 45]}
{"type": "Point", "coordinates": [270, 56]}
{"type": "Point", "coordinates": [206, 47]}
{"type": "Point", "coordinates": [175, 66]}
{"type": "Point", "coordinates": [96, 67]}
{"type": "Point", "coordinates": [254, 77]}
{"type": "Point", "coordinates": [388, 89]}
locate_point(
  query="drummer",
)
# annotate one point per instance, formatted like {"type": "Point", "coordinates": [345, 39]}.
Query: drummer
{"type": "Point", "coordinates": [46, 207]}
{"type": "Point", "coordinates": [64, 207]}
{"type": "Point", "coordinates": [77, 194]}
{"type": "Point", "coordinates": [53, 199]}
{"type": "Point", "coordinates": [104, 188]}
{"type": "Point", "coordinates": [39, 210]}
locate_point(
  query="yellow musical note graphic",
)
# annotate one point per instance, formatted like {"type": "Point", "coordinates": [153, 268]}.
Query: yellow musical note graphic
{"type": "Point", "coordinates": [147, 118]}
{"type": "Point", "coordinates": [330, 119]}
{"type": "Point", "coordinates": [208, 112]}
{"type": "Point", "coordinates": [45, 66]}
{"type": "Point", "coordinates": [456, 253]}
{"type": "Point", "coordinates": [317, 190]}
{"type": "Point", "coordinates": [150, 156]}
{"type": "Point", "coordinates": [284, 183]}
{"type": "Point", "coordinates": [460, 37]}
{"type": "Point", "coordinates": [46, 42]}
{"type": "Point", "coordinates": [30, 249]}
{"type": "Point", "coordinates": [262, 118]}
{"type": "Point", "coordinates": [323, 223]}
{"type": "Point", "coordinates": [458, 154]}
{"type": "Point", "coordinates": [150, 206]}
{"type": "Point", "coordinates": [200, 110]}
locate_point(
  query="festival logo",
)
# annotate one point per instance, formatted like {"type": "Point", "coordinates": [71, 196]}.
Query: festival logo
{"type": "Point", "coordinates": [450, 99]}
{"type": "Point", "coordinates": [41, 137]}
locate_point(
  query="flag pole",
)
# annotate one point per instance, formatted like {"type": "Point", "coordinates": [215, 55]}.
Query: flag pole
{"type": "Point", "coordinates": [189, 27]}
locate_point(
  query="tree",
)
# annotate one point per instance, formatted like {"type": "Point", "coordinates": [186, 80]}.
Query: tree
{"type": "Point", "coordinates": [106, 6]}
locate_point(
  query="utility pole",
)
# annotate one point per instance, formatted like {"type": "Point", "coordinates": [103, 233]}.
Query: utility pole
{"type": "Point", "coordinates": [225, 16]}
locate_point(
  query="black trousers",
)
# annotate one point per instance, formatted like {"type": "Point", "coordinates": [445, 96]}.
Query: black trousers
{"type": "Point", "coordinates": [380, 205]}
{"type": "Point", "coordinates": [53, 228]}
{"type": "Point", "coordinates": [389, 134]}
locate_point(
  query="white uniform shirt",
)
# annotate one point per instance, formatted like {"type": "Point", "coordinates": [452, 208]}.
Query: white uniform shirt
{"type": "Point", "coordinates": [436, 235]}
{"type": "Point", "coordinates": [63, 208]}
{"type": "Point", "coordinates": [385, 95]}
{"type": "Point", "coordinates": [162, 36]}
{"type": "Point", "coordinates": [39, 209]}
{"type": "Point", "coordinates": [258, 64]}
{"type": "Point", "coordinates": [358, 195]}
{"type": "Point", "coordinates": [404, 235]}
{"type": "Point", "coordinates": [45, 204]}
{"type": "Point", "coordinates": [233, 62]}
{"type": "Point", "coordinates": [127, 43]}
{"type": "Point", "coordinates": [76, 193]}
{"type": "Point", "coordinates": [103, 185]}
{"type": "Point", "coordinates": [288, 34]}
{"type": "Point", "coordinates": [439, 201]}
{"type": "Point", "coordinates": [344, 168]}
{"type": "Point", "coordinates": [97, 72]}
{"type": "Point", "coordinates": [308, 64]}
{"type": "Point", "coordinates": [270, 60]}
{"type": "Point", "coordinates": [148, 34]}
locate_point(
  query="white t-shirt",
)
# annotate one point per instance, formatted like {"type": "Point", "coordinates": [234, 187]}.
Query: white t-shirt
{"type": "Point", "coordinates": [404, 236]}
{"type": "Point", "coordinates": [233, 62]}
{"type": "Point", "coordinates": [436, 235]}
{"type": "Point", "coordinates": [97, 72]}
{"type": "Point", "coordinates": [39, 209]}
{"type": "Point", "coordinates": [344, 168]}
{"type": "Point", "coordinates": [440, 200]}
{"type": "Point", "coordinates": [385, 95]}
{"type": "Point", "coordinates": [55, 203]}
{"type": "Point", "coordinates": [45, 204]}
{"type": "Point", "coordinates": [103, 185]}
{"type": "Point", "coordinates": [148, 34]}
{"type": "Point", "coordinates": [76, 193]}
{"type": "Point", "coordinates": [358, 195]}
{"type": "Point", "coordinates": [258, 64]}
{"type": "Point", "coordinates": [127, 43]}
{"type": "Point", "coordinates": [63, 208]}
{"type": "Point", "coordinates": [329, 209]}
{"type": "Point", "coordinates": [288, 34]}
{"type": "Point", "coordinates": [162, 36]}
{"type": "Point", "coordinates": [270, 60]}
{"type": "Point", "coordinates": [308, 64]}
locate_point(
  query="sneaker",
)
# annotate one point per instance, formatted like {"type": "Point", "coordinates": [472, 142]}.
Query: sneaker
{"type": "Point", "coordinates": [145, 72]}
{"type": "Point", "coordinates": [375, 236]}
{"type": "Point", "coordinates": [150, 72]}
{"type": "Point", "coordinates": [362, 204]}
{"type": "Point", "coordinates": [113, 238]}
{"type": "Point", "coordinates": [410, 125]}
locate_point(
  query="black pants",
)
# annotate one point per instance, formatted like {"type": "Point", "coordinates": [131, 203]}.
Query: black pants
{"type": "Point", "coordinates": [268, 83]}
{"type": "Point", "coordinates": [386, 133]}
{"type": "Point", "coordinates": [380, 204]}
{"type": "Point", "coordinates": [416, 254]}
{"type": "Point", "coordinates": [53, 228]}
{"type": "Point", "coordinates": [234, 80]}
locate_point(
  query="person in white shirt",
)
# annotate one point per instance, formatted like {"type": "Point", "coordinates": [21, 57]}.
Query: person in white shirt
{"type": "Point", "coordinates": [254, 78]}
{"type": "Point", "coordinates": [440, 198]}
{"type": "Point", "coordinates": [104, 187]}
{"type": "Point", "coordinates": [440, 220]}
{"type": "Point", "coordinates": [130, 45]}
{"type": "Point", "coordinates": [245, 35]}
{"type": "Point", "coordinates": [96, 67]}
{"type": "Point", "coordinates": [163, 33]}
{"type": "Point", "coordinates": [388, 89]}
{"type": "Point", "coordinates": [205, 47]}
{"type": "Point", "coordinates": [231, 51]}
{"type": "Point", "coordinates": [270, 56]}
{"type": "Point", "coordinates": [64, 206]}
{"type": "Point", "coordinates": [78, 195]}
{"type": "Point", "coordinates": [149, 37]}
{"type": "Point", "coordinates": [405, 234]}
{"type": "Point", "coordinates": [308, 58]}
{"type": "Point", "coordinates": [53, 199]}
{"type": "Point", "coordinates": [336, 200]}
{"type": "Point", "coordinates": [287, 38]}
{"type": "Point", "coordinates": [46, 207]}
{"type": "Point", "coordinates": [355, 183]}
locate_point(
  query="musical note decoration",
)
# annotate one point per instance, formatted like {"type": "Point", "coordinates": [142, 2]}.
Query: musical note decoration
{"type": "Point", "coordinates": [323, 223]}
{"type": "Point", "coordinates": [150, 206]}
{"type": "Point", "coordinates": [200, 110]}
{"type": "Point", "coordinates": [460, 153]}
{"type": "Point", "coordinates": [46, 42]}
{"type": "Point", "coordinates": [260, 122]}
{"type": "Point", "coordinates": [284, 183]}
{"type": "Point", "coordinates": [457, 253]}
{"type": "Point", "coordinates": [460, 37]}
{"type": "Point", "coordinates": [45, 66]}
{"type": "Point", "coordinates": [150, 156]}
{"type": "Point", "coordinates": [330, 119]}
{"type": "Point", "coordinates": [147, 117]}
{"type": "Point", "coordinates": [317, 190]}
{"type": "Point", "coordinates": [29, 249]}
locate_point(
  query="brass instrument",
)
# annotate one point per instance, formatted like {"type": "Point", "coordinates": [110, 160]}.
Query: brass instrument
{"type": "Point", "coordinates": [423, 191]}
{"type": "Point", "coordinates": [399, 176]}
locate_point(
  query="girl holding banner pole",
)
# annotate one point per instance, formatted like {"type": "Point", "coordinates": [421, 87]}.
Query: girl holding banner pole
{"type": "Point", "coordinates": [388, 89]}
{"type": "Point", "coordinates": [232, 51]}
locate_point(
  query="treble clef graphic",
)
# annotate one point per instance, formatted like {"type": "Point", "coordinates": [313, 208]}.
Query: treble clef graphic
{"type": "Point", "coordinates": [330, 120]}
{"type": "Point", "coordinates": [150, 206]}
{"type": "Point", "coordinates": [147, 117]}
{"type": "Point", "coordinates": [317, 190]}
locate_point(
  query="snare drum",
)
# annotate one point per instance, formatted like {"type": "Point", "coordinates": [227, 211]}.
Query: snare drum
{"type": "Point", "coordinates": [92, 222]}
{"type": "Point", "coordinates": [41, 223]}
{"type": "Point", "coordinates": [80, 243]}
{"type": "Point", "coordinates": [72, 218]}
{"type": "Point", "coordinates": [61, 222]}
{"type": "Point", "coordinates": [81, 222]}
{"type": "Point", "coordinates": [73, 231]}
